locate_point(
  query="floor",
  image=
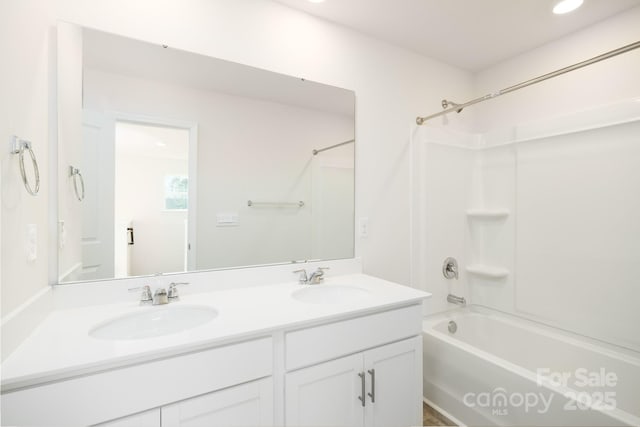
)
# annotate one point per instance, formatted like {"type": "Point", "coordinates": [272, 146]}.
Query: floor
{"type": "Point", "coordinates": [431, 417]}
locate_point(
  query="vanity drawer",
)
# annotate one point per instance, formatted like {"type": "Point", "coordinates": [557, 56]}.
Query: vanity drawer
{"type": "Point", "coordinates": [306, 347]}
{"type": "Point", "coordinates": [112, 394]}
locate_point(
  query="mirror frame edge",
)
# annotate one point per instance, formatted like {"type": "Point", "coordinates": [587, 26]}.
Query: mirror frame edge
{"type": "Point", "coordinates": [54, 138]}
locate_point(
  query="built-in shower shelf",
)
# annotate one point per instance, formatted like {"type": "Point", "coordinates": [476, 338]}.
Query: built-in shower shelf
{"type": "Point", "coordinates": [487, 271]}
{"type": "Point", "coordinates": [487, 213]}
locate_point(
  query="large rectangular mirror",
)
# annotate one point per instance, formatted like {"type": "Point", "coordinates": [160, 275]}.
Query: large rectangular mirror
{"type": "Point", "coordinates": [170, 161]}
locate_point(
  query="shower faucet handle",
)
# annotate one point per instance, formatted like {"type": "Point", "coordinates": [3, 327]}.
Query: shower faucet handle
{"type": "Point", "coordinates": [450, 268]}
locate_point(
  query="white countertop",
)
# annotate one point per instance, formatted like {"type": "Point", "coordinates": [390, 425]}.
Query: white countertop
{"type": "Point", "coordinates": [60, 347]}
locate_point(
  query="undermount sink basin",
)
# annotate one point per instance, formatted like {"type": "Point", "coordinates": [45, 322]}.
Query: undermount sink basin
{"type": "Point", "coordinates": [153, 322]}
{"type": "Point", "coordinates": [330, 294]}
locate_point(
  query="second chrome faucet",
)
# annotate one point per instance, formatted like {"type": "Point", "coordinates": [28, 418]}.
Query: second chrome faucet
{"type": "Point", "coordinates": [313, 279]}
{"type": "Point", "coordinates": [161, 296]}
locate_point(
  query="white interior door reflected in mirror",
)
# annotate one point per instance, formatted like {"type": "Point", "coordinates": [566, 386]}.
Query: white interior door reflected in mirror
{"type": "Point", "coordinates": [97, 221]}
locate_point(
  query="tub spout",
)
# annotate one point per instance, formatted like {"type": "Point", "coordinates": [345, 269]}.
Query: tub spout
{"type": "Point", "coordinates": [453, 299]}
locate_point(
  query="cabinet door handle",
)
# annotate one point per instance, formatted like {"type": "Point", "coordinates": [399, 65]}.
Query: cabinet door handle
{"type": "Point", "coordinates": [362, 391]}
{"type": "Point", "coordinates": [372, 395]}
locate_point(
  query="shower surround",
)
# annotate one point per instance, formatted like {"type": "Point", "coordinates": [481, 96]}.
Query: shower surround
{"type": "Point", "coordinates": [543, 219]}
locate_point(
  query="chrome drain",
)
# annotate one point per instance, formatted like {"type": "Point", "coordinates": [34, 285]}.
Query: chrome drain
{"type": "Point", "coordinates": [453, 327]}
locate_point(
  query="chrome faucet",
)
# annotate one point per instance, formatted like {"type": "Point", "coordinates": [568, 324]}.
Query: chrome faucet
{"type": "Point", "coordinates": [315, 277]}
{"type": "Point", "coordinates": [173, 290]}
{"type": "Point", "coordinates": [145, 296]}
{"type": "Point", "coordinates": [302, 278]}
{"type": "Point", "coordinates": [453, 299]}
{"type": "Point", "coordinates": [161, 296]}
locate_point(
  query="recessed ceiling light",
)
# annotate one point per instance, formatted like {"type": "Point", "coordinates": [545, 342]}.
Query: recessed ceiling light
{"type": "Point", "coordinates": [566, 6]}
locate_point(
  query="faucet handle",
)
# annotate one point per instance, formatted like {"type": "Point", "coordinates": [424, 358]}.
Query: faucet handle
{"type": "Point", "coordinates": [450, 268]}
{"type": "Point", "coordinates": [320, 272]}
{"type": "Point", "coordinates": [318, 275]}
{"type": "Point", "coordinates": [145, 295]}
{"type": "Point", "coordinates": [173, 289]}
{"type": "Point", "coordinates": [303, 278]}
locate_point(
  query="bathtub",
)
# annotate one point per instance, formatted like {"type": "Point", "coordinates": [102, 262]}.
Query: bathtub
{"type": "Point", "coordinates": [497, 369]}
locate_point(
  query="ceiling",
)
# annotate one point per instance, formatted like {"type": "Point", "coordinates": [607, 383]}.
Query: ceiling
{"type": "Point", "coordinates": [121, 55]}
{"type": "Point", "coordinates": [470, 34]}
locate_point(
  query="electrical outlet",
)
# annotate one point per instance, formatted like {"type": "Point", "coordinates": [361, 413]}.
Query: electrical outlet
{"type": "Point", "coordinates": [32, 242]}
{"type": "Point", "coordinates": [62, 234]}
{"type": "Point", "coordinates": [363, 227]}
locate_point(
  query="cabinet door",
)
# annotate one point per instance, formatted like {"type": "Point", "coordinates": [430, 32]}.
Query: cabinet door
{"type": "Point", "coordinates": [325, 394]}
{"type": "Point", "coordinates": [249, 404]}
{"type": "Point", "coordinates": [394, 384]}
{"type": "Point", "coordinates": [143, 419]}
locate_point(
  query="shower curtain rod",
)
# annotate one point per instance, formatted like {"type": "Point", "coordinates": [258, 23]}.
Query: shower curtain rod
{"type": "Point", "coordinates": [460, 107]}
{"type": "Point", "coordinates": [333, 146]}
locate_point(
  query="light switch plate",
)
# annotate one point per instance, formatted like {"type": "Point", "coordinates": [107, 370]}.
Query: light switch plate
{"type": "Point", "coordinates": [32, 242]}
{"type": "Point", "coordinates": [363, 227]}
{"type": "Point", "coordinates": [227, 219]}
{"type": "Point", "coordinates": [62, 234]}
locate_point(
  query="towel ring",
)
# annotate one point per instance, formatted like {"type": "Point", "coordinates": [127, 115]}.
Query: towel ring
{"type": "Point", "coordinates": [74, 173]}
{"type": "Point", "coordinates": [18, 147]}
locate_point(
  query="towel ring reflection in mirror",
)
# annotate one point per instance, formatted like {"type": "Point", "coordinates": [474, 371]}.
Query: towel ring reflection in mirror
{"type": "Point", "coordinates": [76, 176]}
{"type": "Point", "coordinates": [19, 146]}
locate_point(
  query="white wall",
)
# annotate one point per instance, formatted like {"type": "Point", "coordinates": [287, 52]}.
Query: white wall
{"type": "Point", "coordinates": [392, 86]}
{"type": "Point", "coordinates": [24, 108]}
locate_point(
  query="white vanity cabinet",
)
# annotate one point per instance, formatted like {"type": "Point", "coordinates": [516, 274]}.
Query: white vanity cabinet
{"type": "Point", "coordinates": [373, 388]}
{"type": "Point", "coordinates": [397, 369]}
{"type": "Point", "coordinates": [245, 405]}
{"type": "Point", "coordinates": [149, 418]}
{"type": "Point", "coordinates": [359, 369]}
{"type": "Point", "coordinates": [380, 386]}
{"type": "Point", "coordinates": [180, 387]}
{"type": "Point", "coordinates": [325, 394]}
